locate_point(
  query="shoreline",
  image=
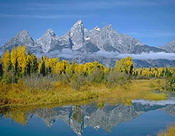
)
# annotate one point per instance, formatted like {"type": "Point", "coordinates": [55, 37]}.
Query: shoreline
{"type": "Point", "coordinates": [138, 89]}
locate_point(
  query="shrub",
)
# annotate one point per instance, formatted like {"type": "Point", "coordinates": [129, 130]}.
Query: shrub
{"type": "Point", "coordinates": [117, 78]}
{"type": "Point", "coordinates": [77, 81]}
{"type": "Point", "coordinates": [38, 82]}
{"type": "Point", "coordinates": [171, 83]}
{"type": "Point", "coordinates": [64, 77]}
{"type": "Point", "coordinates": [97, 76]}
{"type": "Point", "coordinates": [9, 77]}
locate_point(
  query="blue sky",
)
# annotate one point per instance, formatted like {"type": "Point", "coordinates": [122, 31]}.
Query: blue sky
{"type": "Point", "coordinates": [150, 21]}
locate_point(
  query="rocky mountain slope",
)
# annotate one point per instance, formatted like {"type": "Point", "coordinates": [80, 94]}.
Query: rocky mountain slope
{"type": "Point", "coordinates": [78, 38]}
{"type": "Point", "coordinates": [169, 47]}
{"type": "Point", "coordinates": [80, 44]}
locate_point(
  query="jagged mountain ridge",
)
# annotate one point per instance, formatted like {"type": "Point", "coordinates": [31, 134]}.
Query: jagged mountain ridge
{"type": "Point", "coordinates": [83, 42]}
{"type": "Point", "coordinates": [78, 38]}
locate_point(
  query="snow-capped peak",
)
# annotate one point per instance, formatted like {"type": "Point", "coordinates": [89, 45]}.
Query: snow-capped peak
{"type": "Point", "coordinates": [97, 28]}
{"type": "Point", "coordinates": [79, 22]}
{"type": "Point", "coordinates": [23, 34]}
{"type": "Point", "coordinates": [50, 32]}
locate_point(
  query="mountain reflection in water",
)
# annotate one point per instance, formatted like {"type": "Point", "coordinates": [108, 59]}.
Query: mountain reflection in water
{"type": "Point", "coordinates": [106, 118]}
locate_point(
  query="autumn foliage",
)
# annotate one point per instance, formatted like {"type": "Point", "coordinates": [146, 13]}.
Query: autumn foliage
{"type": "Point", "coordinates": [26, 78]}
{"type": "Point", "coordinates": [19, 63]}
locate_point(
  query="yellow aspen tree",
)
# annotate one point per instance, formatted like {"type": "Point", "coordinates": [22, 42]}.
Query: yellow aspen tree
{"type": "Point", "coordinates": [57, 69]}
{"type": "Point", "coordinates": [52, 64]}
{"type": "Point", "coordinates": [129, 65]}
{"type": "Point", "coordinates": [72, 67]}
{"type": "Point", "coordinates": [69, 69]}
{"type": "Point", "coordinates": [22, 59]}
{"type": "Point", "coordinates": [90, 67]}
{"type": "Point", "coordinates": [61, 67]}
{"type": "Point", "coordinates": [14, 60]}
{"type": "Point", "coordinates": [6, 60]}
{"type": "Point", "coordinates": [125, 65]}
{"type": "Point", "coordinates": [64, 65]}
{"type": "Point", "coordinates": [39, 65]}
{"type": "Point", "coordinates": [79, 68]}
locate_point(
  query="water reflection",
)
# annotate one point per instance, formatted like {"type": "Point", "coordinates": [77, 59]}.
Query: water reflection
{"type": "Point", "coordinates": [79, 117]}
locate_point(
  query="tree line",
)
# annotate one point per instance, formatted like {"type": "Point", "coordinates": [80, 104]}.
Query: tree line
{"type": "Point", "coordinates": [19, 63]}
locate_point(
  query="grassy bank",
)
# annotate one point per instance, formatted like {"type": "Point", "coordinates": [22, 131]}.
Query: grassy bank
{"type": "Point", "coordinates": [60, 93]}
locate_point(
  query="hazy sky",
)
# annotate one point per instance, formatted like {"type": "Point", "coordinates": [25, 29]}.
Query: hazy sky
{"type": "Point", "coordinates": [150, 21]}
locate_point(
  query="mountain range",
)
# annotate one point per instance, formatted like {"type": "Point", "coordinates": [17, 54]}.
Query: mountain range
{"type": "Point", "coordinates": [82, 45]}
{"type": "Point", "coordinates": [106, 118]}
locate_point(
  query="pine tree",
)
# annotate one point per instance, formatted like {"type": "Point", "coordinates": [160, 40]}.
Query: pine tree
{"type": "Point", "coordinates": [32, 64]}
{"type": "Point", "coordinates": [43, 69]}
{"type": "Point", "coordinates": [1, 69]}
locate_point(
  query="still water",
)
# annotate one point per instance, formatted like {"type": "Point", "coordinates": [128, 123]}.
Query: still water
{"type": "Point", "coordinates": [142, 118]}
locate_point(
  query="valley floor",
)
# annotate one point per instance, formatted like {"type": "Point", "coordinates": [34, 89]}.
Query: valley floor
{"type": "Point", "coordinates": [60, 93]}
